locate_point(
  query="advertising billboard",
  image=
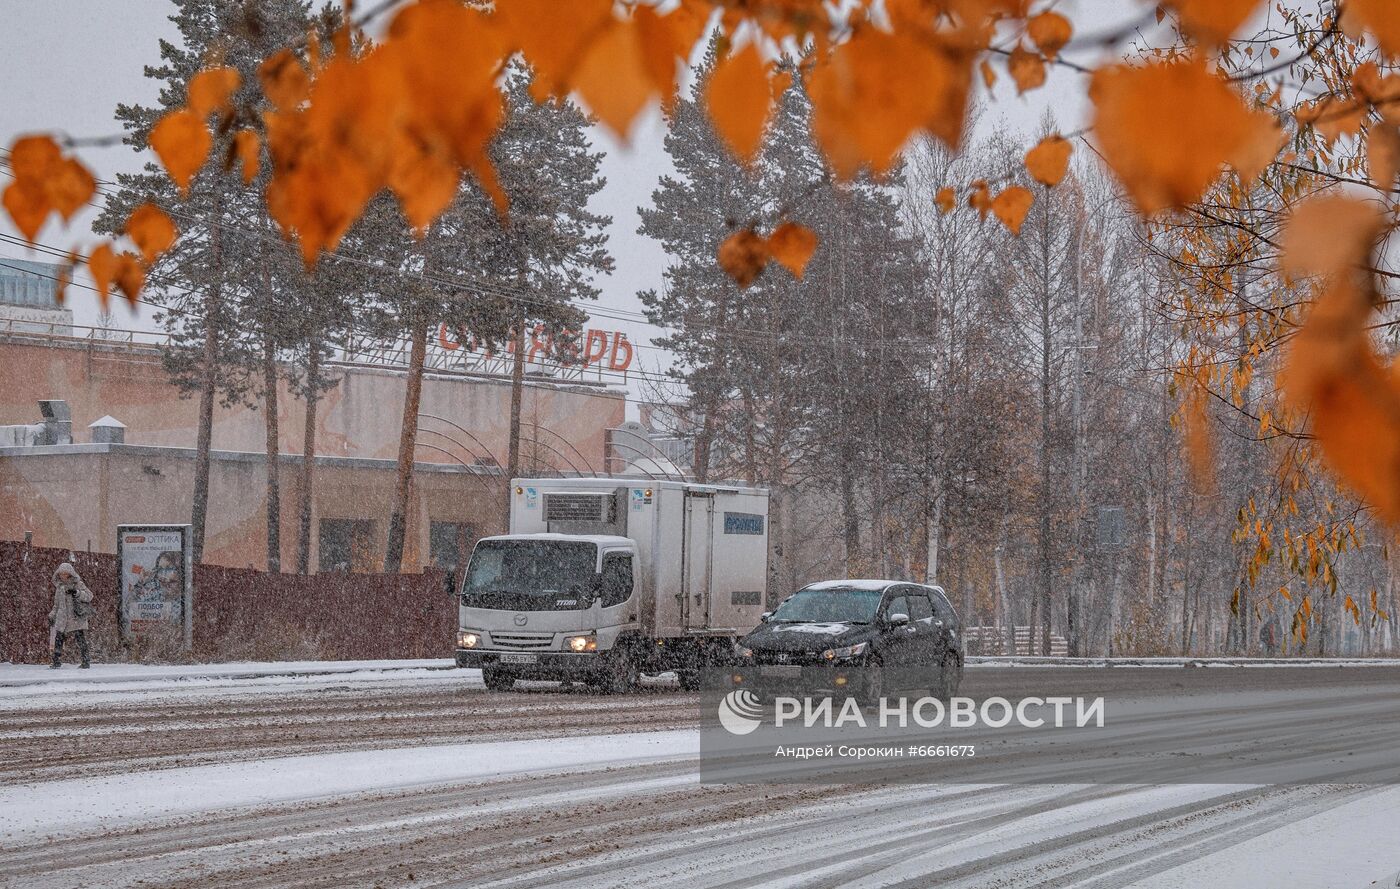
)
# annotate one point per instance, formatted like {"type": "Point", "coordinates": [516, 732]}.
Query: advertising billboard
{"type": "Point", "coordinates": [157, 580]}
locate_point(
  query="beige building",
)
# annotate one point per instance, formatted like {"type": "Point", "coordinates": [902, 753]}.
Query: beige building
{"type": "Point", "coordinates": [75, 494]}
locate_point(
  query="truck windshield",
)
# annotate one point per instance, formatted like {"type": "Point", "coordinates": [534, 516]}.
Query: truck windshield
{"type": "Point", "coordinates": [531, 575]}
{"type": "Point", "coordinates": [829, 606]}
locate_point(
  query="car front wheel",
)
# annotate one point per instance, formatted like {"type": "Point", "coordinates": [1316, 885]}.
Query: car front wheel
{"type": "Point", "coordinates": [875, 685]}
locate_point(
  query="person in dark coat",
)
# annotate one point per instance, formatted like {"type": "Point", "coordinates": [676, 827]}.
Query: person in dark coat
{"type": "Point", "coordinates": [72, 606]}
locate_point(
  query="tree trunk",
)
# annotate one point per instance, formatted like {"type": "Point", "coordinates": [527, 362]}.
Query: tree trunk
{"type": "Point", "coordinates": [308, 458]}
{"type": "Point", "coordinates": [274, 488]}
{"type": "Point", "coordinates": [408, 439]}
{"type": "Point", "coordinates": [517, 393]}
{"type": "Point", "coordinates": [933, 518]}
{"type": "Point", "coordinates": [850, 519]}
{"type": "Point", "coordinates": [213, 309]}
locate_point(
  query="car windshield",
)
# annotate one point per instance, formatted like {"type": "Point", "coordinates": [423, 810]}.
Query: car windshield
{"type": "Point", "coordinates": [531, 575]}
{"type": "Point", "coordinates": [826, 605]}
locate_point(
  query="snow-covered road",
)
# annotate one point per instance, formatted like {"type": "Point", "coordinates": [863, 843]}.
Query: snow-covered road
{"type": "Point", "coordinates": [417, 777]}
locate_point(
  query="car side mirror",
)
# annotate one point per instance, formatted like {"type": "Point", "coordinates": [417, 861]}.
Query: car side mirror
{"type": "Point", "coordinates": [765, 616]}
{"type": "Point", "coordinates": [898, 619]}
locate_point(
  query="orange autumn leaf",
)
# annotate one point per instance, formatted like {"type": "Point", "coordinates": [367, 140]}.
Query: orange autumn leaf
{"type": "Point", "coordinates": [1383, 155]}
{"type": "Point", "coordinates": [1260, 147]}
{"type": "Point", "coordinates": [666, 42]}
{"type": "Point", "coordinates": [1329, 235]}
{"type": "Point", "coordinates": [1351, 400]}
{"type": "Point", "coordinates": [210, 90]}
{"type": "Point", "coordinates": [449, 57]}
{"type": "Point", "coordinates": [980, 198]}
{"type": "Point", "coordinates": [946, 199]}
{"type": "Point", "coordinates": [1011, 207]}
{"type": "Point", "coordinates": [555, 37]}
{"type": "Point", "coordinates": [989, 75]}
{"type": "Point", "coordinates": [44, 181]}
{"type": "Point", "coordinates": [792, 245]}
{"type": "Point", "coordinates": [28, 207]}
{"type": "Point", "coordinates": [739, 102]}
{"type": "Point", "coordinates": [69, 186]}
{"type": "Point", "coordinates": [1049, 31]}
{"type": "Point", "coordinates": [150, 230]}
{"type": "Point", "coordinates": [1048, 161]}
{"type": "Point", "coordinates": [284, 80]}
{"type": "Point", "coordinates": [425, 184]}
{"type": "Point", "coordinates": [129, 276]}
{"type": "Point", "coordinates": [1026, 68]}
{"type": "Point", "coordinates": [1167, 128]}
{"type": "Point", "coordinates": [1380, 17]}
{"type": "Point", "coordinates": [743, 255]}
{"type": "Point", "coordinates": [182, 141]}
{"type": "Point", "coordinates": [612, 78]}
{"type": "Point", "coordinates": [1212, 21]}
{"type": "Point", "coordinates": [245, 149]}
{"type": "Point", "coordinates": [102, 265]}
{"type": "Point", "coordinates": [863, 112]}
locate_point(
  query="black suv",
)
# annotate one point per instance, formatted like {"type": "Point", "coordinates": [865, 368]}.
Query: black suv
{"type": "Point", "coordinates": [860, 637]}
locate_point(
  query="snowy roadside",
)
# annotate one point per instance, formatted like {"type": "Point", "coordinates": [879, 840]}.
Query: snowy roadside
{"type": "Point", "coordinates": [14, 676]}
{"type": "Point", "coordinates": [19, 675]}
{"type": "Point", "coordinates": [78, 805]}
{"type": "Point", "coordinates": [1172, 662]}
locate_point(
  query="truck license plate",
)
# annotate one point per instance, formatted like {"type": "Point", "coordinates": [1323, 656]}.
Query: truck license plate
{"type": "Point", "coordinates": [520, 658]}
{"type": "Point", "coordinates": [786, 671]}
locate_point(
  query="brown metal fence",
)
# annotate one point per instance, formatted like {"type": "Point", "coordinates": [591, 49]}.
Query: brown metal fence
{"type": "Point", "coordinates": [239, 613]}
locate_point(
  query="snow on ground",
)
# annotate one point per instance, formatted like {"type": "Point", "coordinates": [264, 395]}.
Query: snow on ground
{"type": "Point", "coordinates": [85, 804]}
{"type": "Point", "coordinates": [1341, 848]}
{"type": "Point", "coordinates": [24, 686]}
{"type": "Point", "coordinates": [20, 675]}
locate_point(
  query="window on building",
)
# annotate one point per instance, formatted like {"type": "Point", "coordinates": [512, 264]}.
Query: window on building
{"type": "Point", "coordinates": [346, 546]}
{"type": "Point", "coordinates": [450, 545]}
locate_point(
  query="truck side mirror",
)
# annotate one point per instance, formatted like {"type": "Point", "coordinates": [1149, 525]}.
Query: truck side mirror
{"type": "Point", "coordinates": [898, 619]}
{"type": "Point", "coordinates": [449, 583]}
{"type": "Point", "coordinates": [766, 616]}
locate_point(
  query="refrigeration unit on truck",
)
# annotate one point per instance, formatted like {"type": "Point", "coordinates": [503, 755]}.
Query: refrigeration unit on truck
{"type": "Point", "coordinates": [601, 580]}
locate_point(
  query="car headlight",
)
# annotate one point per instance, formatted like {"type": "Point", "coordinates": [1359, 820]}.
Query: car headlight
{"type": "Point", "coordinates": [742, 652]}
{"type": "Point", "coordinates": [581, 643]}
{"type": "Point", "coordinates": [846, 652]}
{"type": "Point", "coordinates": [468, 638]}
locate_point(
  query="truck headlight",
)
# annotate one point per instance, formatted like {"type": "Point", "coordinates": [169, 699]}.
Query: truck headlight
{"type": "Point", "coordinates": [846, 652]}
{"type": "Point", "coordinates": [581, 643]}
{"type": "Point", "coordinates": [468, 638]}
{"type": "Point", "coordinates": [742, 652]}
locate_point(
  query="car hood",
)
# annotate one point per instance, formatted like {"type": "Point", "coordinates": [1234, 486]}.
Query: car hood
{"type": "Point", "coordinates": [807, 637]}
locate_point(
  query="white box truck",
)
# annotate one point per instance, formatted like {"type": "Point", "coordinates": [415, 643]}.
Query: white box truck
{"type": "Point", "coordinates": [603, 579]}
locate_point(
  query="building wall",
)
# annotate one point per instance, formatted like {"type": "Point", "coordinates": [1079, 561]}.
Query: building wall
{"type": "Point", "coordinates": [360, 417]}
{"type": "Point", "coordinates": [75, 496]}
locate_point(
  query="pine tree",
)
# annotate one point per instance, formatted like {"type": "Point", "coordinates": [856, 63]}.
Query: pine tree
{"type": "Point", "coordinates": [691, 213]}
{"type": "Point", "coordinates": [208, 285]}
{"type": "Point", "coordinates": [497, 277]}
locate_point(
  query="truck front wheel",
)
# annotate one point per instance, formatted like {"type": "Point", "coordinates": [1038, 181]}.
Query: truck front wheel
{"type": "Point", "coordinates": [496, 680]}
{"type": "Point", "coordinates": [621, 676]}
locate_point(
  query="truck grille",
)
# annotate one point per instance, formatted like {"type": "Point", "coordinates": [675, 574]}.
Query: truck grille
{"type": "Point", "coordinates": [579, 508]}
{"type": "Point", "coordinates": [522, 641]}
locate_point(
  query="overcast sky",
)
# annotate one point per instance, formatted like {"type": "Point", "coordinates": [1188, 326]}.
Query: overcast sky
{"type": "Point", "coordinates": [69, 62]}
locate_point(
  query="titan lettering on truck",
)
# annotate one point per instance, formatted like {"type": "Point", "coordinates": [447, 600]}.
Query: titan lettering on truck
{"type": "Point", "coordinates": [602, 580]}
